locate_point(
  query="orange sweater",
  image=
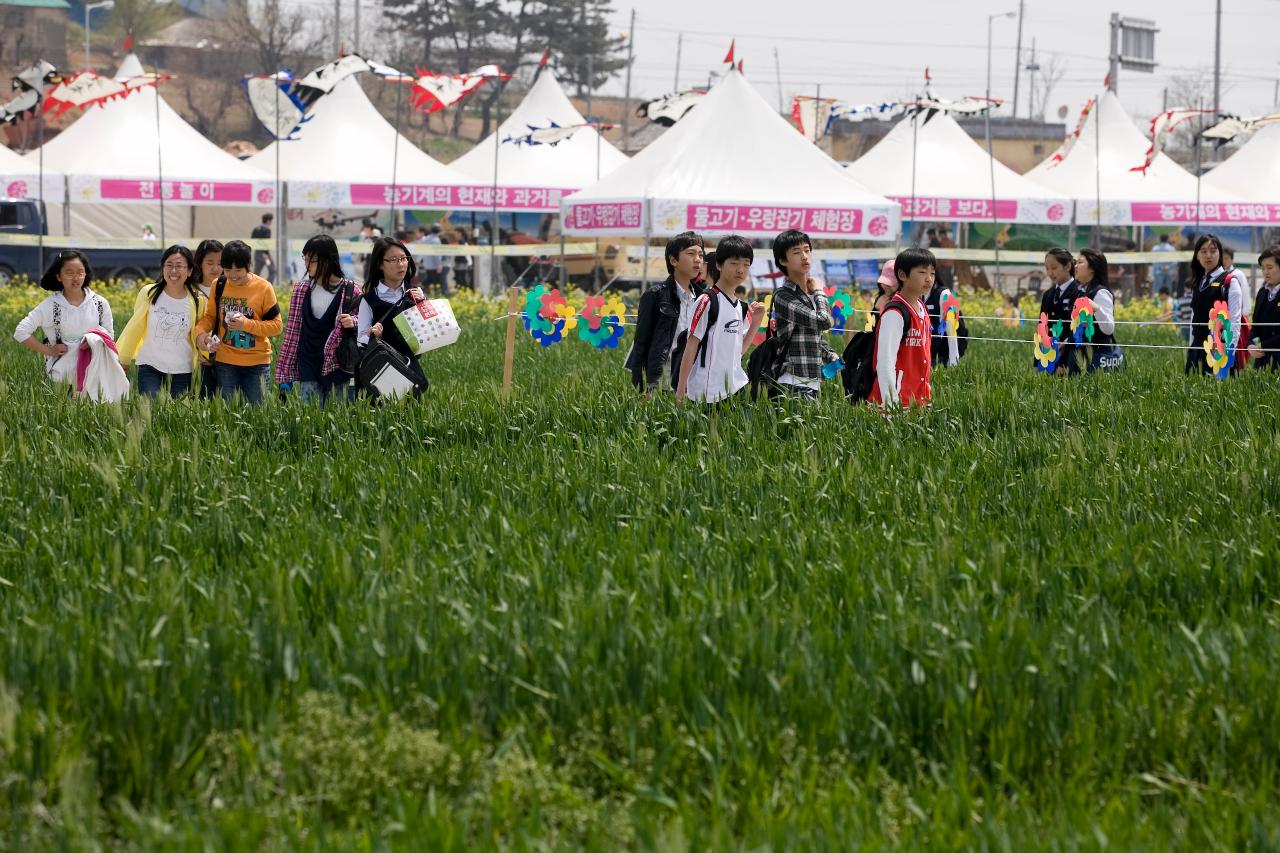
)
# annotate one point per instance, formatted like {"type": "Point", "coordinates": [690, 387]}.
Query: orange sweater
{"type": "Point", "coordinates": [256, 300]}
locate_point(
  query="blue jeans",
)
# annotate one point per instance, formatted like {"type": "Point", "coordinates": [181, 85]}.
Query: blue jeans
{"type": "Point", "coordinates": [150, 381]}
{"type": "Point", "coordinates": [233, 379]}
{"type": "Point", "coordinates": [334, 385]}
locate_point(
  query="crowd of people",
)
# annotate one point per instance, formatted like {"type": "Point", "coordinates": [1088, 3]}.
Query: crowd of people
{"type": "Point", "coordinates": [210, 315]}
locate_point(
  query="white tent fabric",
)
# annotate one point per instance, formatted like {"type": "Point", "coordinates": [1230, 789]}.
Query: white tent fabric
{"type": "Point", "coordinates": [347, 155]}
{"type": "Point", "coordinates": [731, 166]}
{"type": "Point", "coordinates": [952, 177]}
{"type": "Point", "coordinates": [1253, 172]}
{"type": "Point", "coordinates": [571, 164]}
{"type": "Point", "coordinates": [20, 179]}
{"type": "Point", "coordinates": [1098, 173]}
{"type": "Point", "coordinates": [109, 156]}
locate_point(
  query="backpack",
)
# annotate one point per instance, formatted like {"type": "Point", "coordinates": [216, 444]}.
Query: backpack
{"type": "Point", "coordinates": [766, 361]}
{"type": "Point", "coordinates": [713, 315]}
{"type": "Point", "coordinates": [385, 373]}
{"type": "Point", "coordinates": [859, 356]}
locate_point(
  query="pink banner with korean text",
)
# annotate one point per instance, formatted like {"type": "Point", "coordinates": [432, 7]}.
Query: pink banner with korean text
{"type": "Point", "coordinates": [432, 196]}
{"type": "Point", "coordinates": [88, 189]}
{"type": "Point", "coordinates": [1219, 213]}
{"type": "Point", "coordinates": [671, 216]}
{"type": "Point", "coordinates": [948, 209]}
{"type": "Point", "coordinates": [604, 217]}
{"type": "Point", "coordinates": [30, 186]}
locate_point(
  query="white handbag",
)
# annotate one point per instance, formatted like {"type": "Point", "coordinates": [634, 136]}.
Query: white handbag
{"type": "Point", "coordinates": [428, 325]}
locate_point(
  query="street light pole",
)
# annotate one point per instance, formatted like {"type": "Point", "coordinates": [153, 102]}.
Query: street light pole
{"type": "Point", "coordinates": [991, 152]}
{"type": "Point", "coordinates": [89, 7]}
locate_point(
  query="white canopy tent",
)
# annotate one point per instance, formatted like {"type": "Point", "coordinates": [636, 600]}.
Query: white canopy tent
{"type": "Point", "coordinates": [731, 166]}
{"type": "Point", "coordinates": [122, 156]}
{"type": "Point", "coordinates": [1253, 172]}
{"type": "Point", "coordinates": [347, 155]}
{"type": "Point", "coordinates": [1098, 174]}
{"type": "Point", "coordinates": [570, 164]}
{"type": "Point", "coordinates": [936, 171]}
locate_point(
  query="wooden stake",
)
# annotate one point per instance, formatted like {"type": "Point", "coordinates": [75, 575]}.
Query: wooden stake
{"type": "Point", "coordinates": [508, 360]}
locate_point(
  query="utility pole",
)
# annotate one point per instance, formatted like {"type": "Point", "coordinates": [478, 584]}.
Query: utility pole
{"type": "Point", "coordinates": [1164, 100]}
{"type": "Point", "coordinates": [679, 49]}
{"type": "Point", "coordinates": [337, 27]}
{"type": "Point", "coordinates": [1113, 73]}
{"type": "Point", "coordinates": [626, 102]}
{"type": "Point", "coordinates": [1032, 68]}
{"type": "Point", "coordinates": [1017, 60]}
{"type": "Point", "coordinates": [1217, 57]}
{"type": "Point", "coordinates": [777, 67]}
{"type": "Point", "coordinates": [356, 38]}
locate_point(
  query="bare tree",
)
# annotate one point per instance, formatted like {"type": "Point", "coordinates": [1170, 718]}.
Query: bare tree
{"type": "Point", "coordinates": [274, 36]}
{"type": "Point", "coordinates": [1043, 83]}
{"type": "Point", "coordinates": [143, 18]}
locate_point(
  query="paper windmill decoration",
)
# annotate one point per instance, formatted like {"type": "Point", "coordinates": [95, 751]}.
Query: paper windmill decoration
{"type": "Point", "coordinates": [766, 320]}
{"type": "Point", "coordinates": [1082, 320]}
{"type": "Point", "coordinates": [949, 315]}
{"type": "Point", "coordinates": [841, 304]}
{"type": "Point", "coordinates": [547, 316]}
{"type": "Point", "coordinates": [1219, 347]}
{"type": "Point", "coordinates": [602, 321]}
{"type": "Point", "coordinates": [1046, 345]}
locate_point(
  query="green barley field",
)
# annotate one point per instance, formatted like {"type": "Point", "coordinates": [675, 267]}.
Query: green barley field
{"type": "Point", "coordinates": [1043, 615]}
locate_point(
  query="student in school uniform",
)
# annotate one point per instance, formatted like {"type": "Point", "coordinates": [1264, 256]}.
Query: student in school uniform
{"type": "Point", "coordinates": [1264, 346]}
{"type": "Point", "coordinates": [1211, 282]}
{"type": "Point", "coordinates": [389, 291]}
{"type": "Point", "coordinates": [208, 258]}
{"type": "Point", "coordinates": [1101, 352]}
{"type": "Point", "coordinates": [665, 312]}
{"type": "Point", "coordinates": [323, 305]}
{"type": "Point", "coordinates": [1057, 303]}
{"type": "Point", "coordinates": [720, 330]}
{"type": "Point", "coordinates": [903, 360]}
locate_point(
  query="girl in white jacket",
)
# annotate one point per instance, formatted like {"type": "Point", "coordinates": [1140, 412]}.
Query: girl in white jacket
{"type": "Point", "coordinates": [65, 316]}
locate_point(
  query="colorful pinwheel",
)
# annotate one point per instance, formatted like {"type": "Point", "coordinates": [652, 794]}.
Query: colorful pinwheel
{"type": "Point", "coordinates": [547, 316]}
{"type": "Point", "coordinates": [949, 315]}
{"type": "Point", "coordinates": [841, 304]}
{"type": "Point", "coordinates": [1082, 320]}
{"type": "Point", "coordinates": [603, 321]}
{"type": "Point", "coordinates": [1046, 345]}
{"type": "Point", "coordinates": [1219, 347]}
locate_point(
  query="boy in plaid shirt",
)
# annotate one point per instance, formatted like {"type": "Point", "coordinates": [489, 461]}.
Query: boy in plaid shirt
{"type": "Point", "coordinates": [801, 318]}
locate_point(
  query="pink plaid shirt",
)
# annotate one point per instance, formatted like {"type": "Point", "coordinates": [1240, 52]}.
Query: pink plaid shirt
{"type": "Point", "coordinates": [287, 363]}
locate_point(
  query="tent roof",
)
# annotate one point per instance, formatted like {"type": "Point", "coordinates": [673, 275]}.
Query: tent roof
{"type": "Point", "coordinates": [348, 140]}
{"type": "Point", "coordinates": [732, 165]}
{"type": "Point", "coordinates": [953, 175]}
{"type": "Point", "coordinates": [1253, 172]}
{"type": "Point", "coordinates": [1099, 167]}
{"type": "Point", "coordinates": [569, 165]}
{"type": "Point", "coordinates": [118, 139]}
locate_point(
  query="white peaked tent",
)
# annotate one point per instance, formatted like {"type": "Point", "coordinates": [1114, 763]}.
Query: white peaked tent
{"type": "Point", "coordinates": [731, 166]}
{"type": "Point", "coordinates": [21, 179]}
{"type": "Point", "coordinates": [569, 165]}
{"type": "Point", "coordinates": [1098, 173]}
{"type": "Point", "coordinates": [951, 177]}
{"type": "Point", "coordinates": [347, 155]}
{"type": "Point", "coordinates": [1253, 172]}
{"type": "Point", "coordinates": [120, 157]}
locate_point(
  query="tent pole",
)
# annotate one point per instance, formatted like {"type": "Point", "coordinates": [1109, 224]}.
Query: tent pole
{"type": "Point", "coordinates": [395, 162]}
{"type": "Point", "coordinates": [1096, 240]}
{"type": "Point", "coordinates": [282, 237]}
{"type": "Point", "coordinates": [648, 228]}
{"type": "Point", "coordinates": [991, 164]}
{"type": "Point", "coordinates": [1199, 165]}
{"type": "Point", "coordinates": [159, 159]}
{"type": "Point", "coordinates": [44, 213]}
{"type": "Point", "coordinates": [493, 215]}
{"type": "Point", "coordinates": [915, 128]}
{"type": "Point", "coordinates": [280, 212]}
{"type": "Point", "coordinates": [1071, 232]}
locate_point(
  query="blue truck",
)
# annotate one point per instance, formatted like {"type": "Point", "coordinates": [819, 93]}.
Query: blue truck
{"type": "Point", "coordinates": [26, 217]}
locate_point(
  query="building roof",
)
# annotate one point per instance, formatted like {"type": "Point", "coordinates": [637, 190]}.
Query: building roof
{"type": "Point", "coordinates": [38, 4]}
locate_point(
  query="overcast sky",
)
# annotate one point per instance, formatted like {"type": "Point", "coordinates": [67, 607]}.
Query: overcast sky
{"type": "Point", "coordinates": [872, 51]}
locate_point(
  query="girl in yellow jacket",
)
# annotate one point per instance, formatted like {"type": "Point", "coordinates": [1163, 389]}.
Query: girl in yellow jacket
{"type": "Point", "coordinates": [161, 335]}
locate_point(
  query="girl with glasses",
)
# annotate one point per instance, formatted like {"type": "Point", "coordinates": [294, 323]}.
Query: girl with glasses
{"type": "Point", "coordinates": [160, 336]}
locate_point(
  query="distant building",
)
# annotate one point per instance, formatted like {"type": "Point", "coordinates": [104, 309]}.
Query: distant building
{"type": "Point", "coordinates": [1019, 143]}
{"type": "Point", "coordinates": [32, 30]}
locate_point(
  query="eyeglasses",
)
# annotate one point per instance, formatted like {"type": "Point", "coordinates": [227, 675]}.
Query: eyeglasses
{"type": "Point", "coordinates": [176, 267]}
{"type": "Point", "coordinates": [399, 259]}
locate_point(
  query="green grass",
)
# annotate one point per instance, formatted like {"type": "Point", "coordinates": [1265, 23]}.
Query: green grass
{"type": "Point", "coordinates": [1041, 615]}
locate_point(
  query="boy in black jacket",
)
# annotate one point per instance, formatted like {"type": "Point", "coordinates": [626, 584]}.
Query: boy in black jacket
{"type": "Point", "coordinates": [1266, 312]}
{"type": "Point", "coordinates": [664, 313]}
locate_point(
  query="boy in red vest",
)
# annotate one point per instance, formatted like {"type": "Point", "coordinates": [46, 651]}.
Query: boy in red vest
{"type": "Point", "coordinates": [902, 357]}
